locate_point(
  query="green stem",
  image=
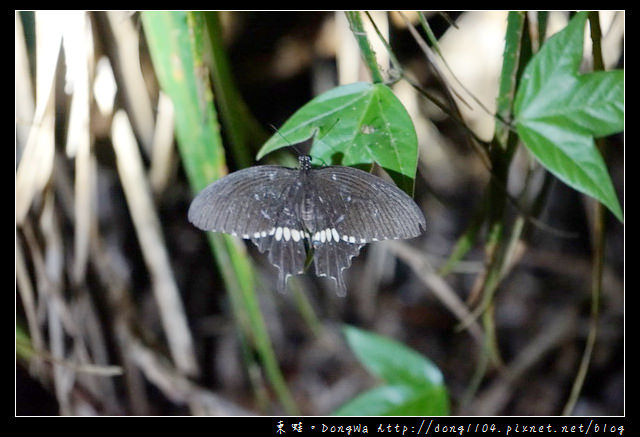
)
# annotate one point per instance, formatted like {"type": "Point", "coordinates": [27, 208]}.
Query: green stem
{"type": "Point", "coordinates": [369, 55]}
{"type": "Point", "coordinates": [501, 152]}
{"type": "Point", "coordinates": [176, 47]}
{"type": "Point", "coordinates": [242, 130]}
{"type": "Point", "coordinates": [598, 248]}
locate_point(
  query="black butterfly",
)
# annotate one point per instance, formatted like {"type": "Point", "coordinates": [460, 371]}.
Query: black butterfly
{"type": "Point", "coordinates": [332, 211]}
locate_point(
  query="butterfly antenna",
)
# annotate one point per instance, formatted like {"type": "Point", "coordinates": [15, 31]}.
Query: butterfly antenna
{"type": "Point", "coordinates": [293, 146]}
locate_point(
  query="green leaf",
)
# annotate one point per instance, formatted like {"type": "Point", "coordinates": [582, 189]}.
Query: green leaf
{"type": "Point", "coordinates": [414, 384]}
{"type": "Point", "coordinates": [355, 124]}
{"type": "Point", "coordinates": [558, 112]}
{"type": "Point", "coordinates": [24, 348]}
{"type": "Point", "coordinates": [391, 361]}
{"type": "Point", "coordinates": [395, 400]}
{"type": "Point", "coordinates": [511, 60]}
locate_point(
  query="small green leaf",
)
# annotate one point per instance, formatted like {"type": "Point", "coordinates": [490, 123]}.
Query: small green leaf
{"type": "Point", "coordinates": [24, 348]}
{"type": "Point", "coordinates": [395, 400]}
{"type": "Point", "coordinates": [391, 361]}
{"type": "Point", "coordinates": [355, 124]}
{"type": "Point", "coordinates": [558, 112]}
{"type": "Point", "coordinates": [414, 384]}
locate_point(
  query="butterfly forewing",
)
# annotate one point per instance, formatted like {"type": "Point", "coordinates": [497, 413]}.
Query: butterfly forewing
{"type": "Point", "coordinates": [242, 203]}
{"type": "Point", "coordinates": [371, 208]}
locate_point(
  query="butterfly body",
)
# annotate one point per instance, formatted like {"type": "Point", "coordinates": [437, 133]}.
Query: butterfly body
{"type": "Point", "coordinates": [332, 211]}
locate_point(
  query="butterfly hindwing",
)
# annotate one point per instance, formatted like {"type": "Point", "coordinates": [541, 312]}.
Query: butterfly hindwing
{"type": "Point", "coordinates": [324, 214]}
{"type": "Point", "coordinates": [285, 239]}
{"type": "Point", "coordinates": [331, 258]}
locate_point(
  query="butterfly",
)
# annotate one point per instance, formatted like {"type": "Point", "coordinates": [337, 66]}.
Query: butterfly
{"type": "Point", "coordinates": [329, 212]}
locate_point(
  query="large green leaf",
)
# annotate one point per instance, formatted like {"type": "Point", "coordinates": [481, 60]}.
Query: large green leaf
{"type": "Point", "coordinates": [414, 385]}
{"type": "Point", "coordinates": [355, 124]}
{"type": "Point", "coordinates": [558, 112]}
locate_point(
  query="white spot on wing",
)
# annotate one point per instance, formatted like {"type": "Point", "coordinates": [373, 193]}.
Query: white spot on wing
{"type": "Point", "coordinates": [295, 235]}
{"type": "Point", "coordinates": [278, 233]}
{"type": "Point", "coordinates": [287, 233]}
{"type": "Point", "coordinates": [335, 234]}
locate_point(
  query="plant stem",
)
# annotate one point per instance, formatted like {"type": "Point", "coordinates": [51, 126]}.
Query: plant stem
{"type": "Point", "coordinates": [598, 249]}
{"type": "Point", "coordinates": [369, 55]}
{"type": "Point", "coordinates": [175, 43]}
{"type": "Point", "coordinates": [242, 130]}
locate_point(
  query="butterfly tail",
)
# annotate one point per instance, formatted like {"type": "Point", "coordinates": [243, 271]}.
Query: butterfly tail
{"type": "Point", "coordinates": [332, 258]}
